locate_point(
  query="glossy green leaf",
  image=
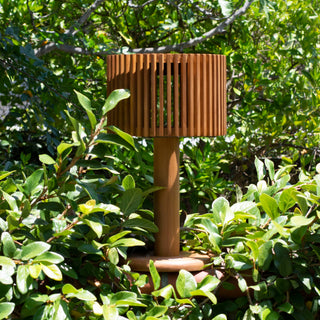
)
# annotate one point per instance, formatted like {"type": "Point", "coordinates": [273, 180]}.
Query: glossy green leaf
{"type": "Point", "coordinates": [156, 312]}
{"type": "Point", "coordinates": [49, 257]}
{"type": "Point", "coordinates": [125, 136]}
{"type": "Point", "coordinates": [270, 206]}
{"type": "Point", "coordinates": [270, 167]}
{"type": "Point", "coordinates": [208, 283]}
{"type": "Point", "coordinates": [126, 298]}
{"type": "Point", "coordinates": [52, 271]}
{"type": "Point", "coordinates": [154, 275]}
{"type": "Point", "coordinates": [96, 226]}
{"type": "Point", "coordinates": [33, 181]}
{"type": "Point", "coordinates": [260, 168]}
{"type": "Point", "coordinates": [46, 159]}
{"type": "Point", "coordinates": [185, 283]}
{"type": "Point", "coordinates": [141, 224]}
{"type": "Point", "coordinates": [34, 249]}
{"type": "Point", "coordinates": [128, 182]}
{"type": "Point", "coordinates": [5, 174]}
{"type": "Point", "coordinates": [287, 199]}
{"type": "Point", "coordinates": [282, 259]}
{"type": "Point", "coordinates": [265, 255]}
{"type": "Point", "coordinates": [22, 278]}
{"type": "Point", "coordinates": [131, 200]}
{"type": "Point", "coordinates": [86, 104]}
{"type": "Point", "coordinates": [226, 7]}
{"type": "Point", "coordinates": [110, 312]}
{"type": "Point", "coordinates": [6, 308]}
{"type": "Point", "coordinates": [165, 292]}
{"type": "Point", "coordinates": [9, 248]}
{"type": "Point", "coordinates": [207, 294]}
{"type": "Point", "coordinates": [35, 270]}
{"type": "Point", "coordinates": [127, 242]}
{"type": "Point", "coordinates": [114, 98]}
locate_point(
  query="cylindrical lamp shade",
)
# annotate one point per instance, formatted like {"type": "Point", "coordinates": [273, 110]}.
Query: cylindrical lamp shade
{"type": "Point", "coordinates": [172, 95]}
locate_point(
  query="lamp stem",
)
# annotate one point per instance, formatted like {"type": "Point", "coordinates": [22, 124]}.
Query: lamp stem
{"type": "Point", "coordinates": [167, 200]}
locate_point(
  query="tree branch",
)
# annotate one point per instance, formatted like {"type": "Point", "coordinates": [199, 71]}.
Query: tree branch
{"type": "Point", "coordinates": [164, 49]}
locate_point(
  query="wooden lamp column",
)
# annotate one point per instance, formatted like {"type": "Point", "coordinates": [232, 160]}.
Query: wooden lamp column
{"type": "Point", "coordinates": [172, 96]}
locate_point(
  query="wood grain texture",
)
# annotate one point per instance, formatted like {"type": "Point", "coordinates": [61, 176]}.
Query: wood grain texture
{"type": "Point", "coordinates": [172, 95]}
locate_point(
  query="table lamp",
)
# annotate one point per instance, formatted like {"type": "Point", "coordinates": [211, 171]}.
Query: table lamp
{"type": "Point", "coordinates": [172, 96]}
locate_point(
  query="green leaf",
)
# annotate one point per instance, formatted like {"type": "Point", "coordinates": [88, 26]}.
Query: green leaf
{"type": "Point", "coordinates": [282, 260]}
{"type": "Point", "coordinates": [71, 292]}
{"type": "Point", "coordinates": [33, 181]}
{"type": "Point", "coordinates": [265, 255]}
{"type": "Point", "coordinates": [87, 207]}
{"type": "Point", "coordinates": [125, 136]}
{"type": "Point", "coordinates": [9, 248]}
{"type": "Point", "coordinates": [141, 224]}
{"type": "Point", "coordinates": [125, 298]}
{"type": "Point", "coordinates": [52, 271]}
{"type": "Point", "coordinates": [209, 283]}
{"type": "Point", "coordinates": [6, 308]}
{"type": "Point", "coordinates": [221, 211]}
{"type": "Point", "coordinates": [270, 206]}
{"type": "Point", "coordinates": [207, 294]}
{"type": "Point", "coordinates": [86, 104]}
{"type": "Point", "coordinates": [156, 312]}
{"type": "Point", "coordinates": [110, 312]}
{"type": "Point", "coordinates": [46, 159]}
{"type": "Point", "coordinates": [299, 221]}
{"type": "Point", "coordinates": [10, 200]}
{"type": "Point", "coordinates": [22, 279]}
{"type": "Point", "coordinates": [131, 200]}
{"type": "Point", "coordinates": [96, 226]}
{"type": "Point", "coordinates": [127, 242]}
{"type": "Point", "coordinates": [3, 175]}
{"type": "Point", "coordinates": [226, 7]}
{"type": "Point", "coordinates": [64, 146]}
{"type": "Point", "coordinates": [114, 98]}
{"type": "Point", "coordinates": [185, 283]}
{"type": "Point", "coordinates": [49, 257]}
{"type": "Point", "coordinates": [34, 249]}
{"type": "Point", "coordinates": [287, 199]}
{"type": "Point", "coordinates": [154, 275]}
{"type": "Point", "coordinates": [128, 182]}
{"type": "Point", "coordinates": [165, 292]}
{"type": "Point", "coordinates": [260, 168]}
{"type": "Point", "coordinates": [270, 167]}
{"type": "Point", "coordinates": [7, 269]}
{"type": "Point", "coordinates": [220, 317]}
{"type": "Point", "coordinates": [34, 270]}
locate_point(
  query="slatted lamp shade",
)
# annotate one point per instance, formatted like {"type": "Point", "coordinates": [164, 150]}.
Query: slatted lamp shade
{"type": "Point", "coordinates": [172, 96]}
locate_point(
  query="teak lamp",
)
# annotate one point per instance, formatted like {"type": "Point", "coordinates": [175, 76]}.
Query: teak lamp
{"type": "Point", "coordinates": [172, 96]}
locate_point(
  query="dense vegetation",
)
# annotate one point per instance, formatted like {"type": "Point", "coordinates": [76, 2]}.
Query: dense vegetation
{"type": "Point", "coordinates": [72, 205]}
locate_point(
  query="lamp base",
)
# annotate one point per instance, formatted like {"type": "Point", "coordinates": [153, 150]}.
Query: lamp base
{"type": "Point", "coordinates": [169, 267]}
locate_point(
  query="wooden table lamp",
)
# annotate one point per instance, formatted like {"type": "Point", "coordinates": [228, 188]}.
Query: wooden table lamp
{"type": "Point", "coordinates": [172, 96]}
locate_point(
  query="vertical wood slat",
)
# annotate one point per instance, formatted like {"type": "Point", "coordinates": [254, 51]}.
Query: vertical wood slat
{"type": "Point", "coordinates": [146, 96]}
{"type": "Point", "coordinates": [183, 100]}
{"type": "Point", "coordinates": [132, 74]}
{"type": "Point", "coordinates": [161, 96]}
{"type": "Point", "coordinates": [210, 96]}
{"type": "Point", "coordinates": [123, 106]}
{"type": "Point", "coordinates": [197, 96]}
{"type": "Point", "coordinates": [204, 102]}
{"type": "Point", "coordinates": [191, 95]}
{"type": "Point", "coordinates": [176, 96]}
{"type": "Point", "coordinates": [224, 95]}
{"type": "Point", "coordinates": [215, 92]}
{"type": "Point", "coordinates": [219, 95]}
{"type": "Point", "coordinates": [169, 122]}
{"type": "Point", "coordinates": [139, 111]}
{"type": "Point", "coordinates": [153, 100]}
{"type": "Point", "coordinates": [193, 99]}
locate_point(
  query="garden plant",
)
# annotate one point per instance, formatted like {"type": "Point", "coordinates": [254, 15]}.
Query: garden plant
{"type": "Point", "coordinates": [67, 225]}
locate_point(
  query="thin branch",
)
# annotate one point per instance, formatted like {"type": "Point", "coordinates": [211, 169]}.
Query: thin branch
{"type": "Point", "coordinates": [84, 17]}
